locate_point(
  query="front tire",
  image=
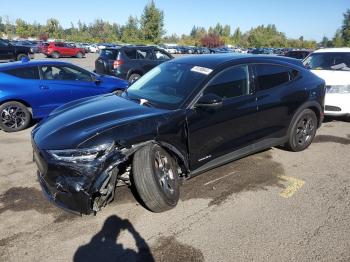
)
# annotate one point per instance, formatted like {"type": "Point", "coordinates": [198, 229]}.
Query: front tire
{"type": "Point", "coordinates": [79, 55]}
{"type": "Point", "coordinates": [14, 116]}
{"type": "Point", "coordinates": [303, 131]}
{"type": "Point", "coordinates": [156, 178]}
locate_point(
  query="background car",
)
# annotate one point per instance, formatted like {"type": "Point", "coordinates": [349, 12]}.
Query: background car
{"type": "Point", "coordinates": [298, 54]}
{"type": "Point", "coordinates": [31, 90]}
{"type": "Point", "coordinates": [60, 49]}
{"type": "Point", "coordinates": [333, 65]}
{"type": "Point", "coordinates": [10, 52]}
{"type": "Point", "coordinates": [33, 45]}
{"type": "Point", "coordinates": [129, 62]}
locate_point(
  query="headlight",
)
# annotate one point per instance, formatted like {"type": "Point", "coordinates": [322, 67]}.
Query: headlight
{"type": "Point", "coordinates": [84, 155]}
{"type": "Point", "coordinates": [339, 89]}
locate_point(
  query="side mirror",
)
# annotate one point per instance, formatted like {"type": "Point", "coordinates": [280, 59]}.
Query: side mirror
{"type": "Point", "coordinates": [209, 101]}
{"type": "Point", "coordinates": [95, 79]}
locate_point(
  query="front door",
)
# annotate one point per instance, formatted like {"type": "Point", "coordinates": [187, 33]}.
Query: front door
{"type": "Point", "coordinates": [216, 132]}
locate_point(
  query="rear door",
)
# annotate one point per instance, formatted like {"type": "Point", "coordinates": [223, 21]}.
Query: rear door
{"type": "Point", "coordinates": [277, 99]}
{"type": "Point", "coordinates": [146, 59]}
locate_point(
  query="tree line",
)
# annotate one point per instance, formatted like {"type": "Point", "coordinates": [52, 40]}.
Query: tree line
{"type": "Point", "coordinates": [149, 29]}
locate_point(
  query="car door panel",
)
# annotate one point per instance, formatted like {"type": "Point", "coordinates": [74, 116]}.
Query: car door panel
{"type": "Point", "coordinates": [276, 100]}
{"type": "Point", "coordinates": [216, 132]}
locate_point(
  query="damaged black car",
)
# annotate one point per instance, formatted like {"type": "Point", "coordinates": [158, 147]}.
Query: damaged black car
{"type": "Point", "coordinates": [184, 117]}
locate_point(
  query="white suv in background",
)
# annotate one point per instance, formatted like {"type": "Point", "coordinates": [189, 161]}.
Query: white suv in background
{"type": "Point", "coordinates": [333, 65]}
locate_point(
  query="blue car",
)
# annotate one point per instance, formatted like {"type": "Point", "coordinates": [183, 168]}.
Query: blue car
{"type": "Point", "coordinates": [31, 90]}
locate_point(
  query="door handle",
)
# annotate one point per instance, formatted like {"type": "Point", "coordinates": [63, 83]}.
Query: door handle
{"type": "Point", "coordinates": [44, 87]}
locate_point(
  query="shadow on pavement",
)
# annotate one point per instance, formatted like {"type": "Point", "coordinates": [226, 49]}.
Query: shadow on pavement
{"type": "Point", "coordinates": [104, 246]}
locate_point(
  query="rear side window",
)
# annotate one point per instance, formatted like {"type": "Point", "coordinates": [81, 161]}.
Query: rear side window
{"type": "Point", "coordinates": [231, 82]}
{"type": "Point", "coordinates": [24, 73]}
{"type": "Point", "coordinates": [109, 54]}
{"type": "Point", "coordinates": [270, 76]}
{"type": "Point", "coordinates": [131, 54]}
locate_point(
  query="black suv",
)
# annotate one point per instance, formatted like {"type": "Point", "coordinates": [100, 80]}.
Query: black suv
{"type": "Point", "coordinates": [9, 52]}
{"type": "Point", "coordinates": [184, 117]}
{"type": "Point", "coordinates": [298, 54]}
{"type": "Point", "coordinates": [129, 62]}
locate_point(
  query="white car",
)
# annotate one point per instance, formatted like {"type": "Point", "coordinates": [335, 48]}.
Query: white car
{"type": "Point", "coordinates": [333, 65]}
{"type": "Point", "coordinates": [93, 48]}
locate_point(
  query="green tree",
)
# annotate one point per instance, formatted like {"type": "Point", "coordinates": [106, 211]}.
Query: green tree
{"type": "Point", "coordinates": [21, 28]}
{"type": "Point", "coordinates": [325, 42]}
{"type": "Point", "coordinates": [345, 29]}
{"type": "Point", "coordinates": [152, 23]}
{"type": "Point", "coordinates": [338, 40]}
{"type": "Point", "coordinates": [236, 37]}
{"type": "Point", "coordinates": [53, 28]}
{"type": "Point", "coordinates": [131, 31]}
{"type": "Point", "coordinates": [2, 26]}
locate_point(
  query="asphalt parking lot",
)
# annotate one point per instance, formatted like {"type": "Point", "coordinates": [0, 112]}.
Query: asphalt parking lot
{"type": "Point", "coordinates": [271, 206]}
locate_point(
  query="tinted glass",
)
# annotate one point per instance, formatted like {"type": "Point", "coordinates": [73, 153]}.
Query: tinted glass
{"type": "Point", "coordinates": [65, 73]}
{"type": "Point", "coordinates": [167, 85]}
{"type": "Point", "coordinates": [109, 54]}
{"type": "Point", "coordinates": [269, 76]}
{"type": "Point", "coordinates": [232, 82]}
{"type": "Point", "coordinates": [131, 53]}
{"type": "Point", "coordinates": [328, 61]}
{"type": "Point", "coordinates": [25, 73]}
{"type": "Point", "coordinates": [144, 54]}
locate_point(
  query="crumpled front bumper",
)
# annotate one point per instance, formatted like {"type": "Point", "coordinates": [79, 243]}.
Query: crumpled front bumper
{"type": "Point", "coordinates": [77, 203]}
{"type": "Point", "coordinates": [72, 187]}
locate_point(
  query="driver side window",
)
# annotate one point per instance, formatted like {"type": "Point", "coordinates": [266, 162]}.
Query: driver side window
{"type": "Point", "coordinates": [64, 73]}
{"type": "Point", "coordinates": [232, 82]}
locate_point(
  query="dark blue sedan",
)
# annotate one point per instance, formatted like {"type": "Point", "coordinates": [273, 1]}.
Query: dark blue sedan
{"type": "Point", "coordinates": [31, 90]}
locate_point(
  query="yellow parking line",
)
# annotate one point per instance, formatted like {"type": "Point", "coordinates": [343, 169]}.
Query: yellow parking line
{"type": "Point", "coordinates": [295, 185]}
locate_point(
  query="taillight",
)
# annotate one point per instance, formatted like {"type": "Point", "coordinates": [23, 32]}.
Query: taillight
{"type": "Point", "coordinates": [117, 63]}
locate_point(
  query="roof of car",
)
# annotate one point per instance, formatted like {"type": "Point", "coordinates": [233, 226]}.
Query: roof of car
{"type": "Point", "coordinates": [334, 50]}
{"type": "Point", "coordinates": [12, 65]}
{"type": "Point", "coordinates": [214, 60]}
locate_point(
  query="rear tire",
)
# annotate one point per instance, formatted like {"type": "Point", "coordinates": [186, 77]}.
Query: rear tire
{"type": "Point", "coordinates": [55, 55]}
{"type": "Point", "coordinates": [156, 178]}
{"type": "Point", "coordinates": [14, 116]}
{"type": "Point", "coordinates": [21, 56]}
{"type": "Point", "coordinates": [303, 131]}
{"type": "Point", "coordinates": [79, 55]}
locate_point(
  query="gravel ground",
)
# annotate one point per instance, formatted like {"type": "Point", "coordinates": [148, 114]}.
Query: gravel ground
{"type": "Point", "coordinates": [271, 206]}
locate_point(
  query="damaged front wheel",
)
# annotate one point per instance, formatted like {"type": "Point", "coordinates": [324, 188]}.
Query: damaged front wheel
{"type": "Point", "coordinates": [156, 178]}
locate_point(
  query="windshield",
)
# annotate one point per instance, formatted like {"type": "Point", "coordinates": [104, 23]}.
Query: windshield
{"type": "Point", "coordinates": [168, 85]}
{"type": "Point", "coordinates": [328, 61]}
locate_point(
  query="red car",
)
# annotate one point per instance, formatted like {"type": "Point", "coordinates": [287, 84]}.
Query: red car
{"type": "Point", "coordinates": [59, 49]}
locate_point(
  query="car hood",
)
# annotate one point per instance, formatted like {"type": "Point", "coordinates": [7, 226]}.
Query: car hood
{"type": "Point", "coordinates": [113, 82]}
{"type": "Point", "coordinates": [333, 77]}
{"type": "Point", "coordinates": [70, 125]}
